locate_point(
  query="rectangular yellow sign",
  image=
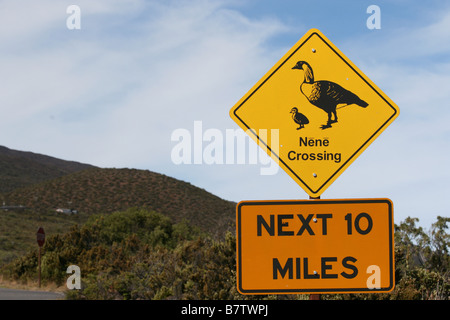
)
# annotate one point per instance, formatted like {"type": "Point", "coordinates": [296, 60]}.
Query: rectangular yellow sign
{"type": "Point", "coordinates": [315, 246]}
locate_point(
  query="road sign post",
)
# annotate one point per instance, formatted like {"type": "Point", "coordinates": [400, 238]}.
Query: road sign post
{"type": "Point", "coordinates": [40, 238]}
{"type": "Point", "coordinates": [314, 296]}
{"type": "Point", "coordinates": [315, 246]}
{"type": "Point", "coordinates": [325, 113]}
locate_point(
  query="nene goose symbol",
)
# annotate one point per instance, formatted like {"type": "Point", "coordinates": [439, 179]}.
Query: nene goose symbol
{"type": "Point", "coordinates": [325, 95]}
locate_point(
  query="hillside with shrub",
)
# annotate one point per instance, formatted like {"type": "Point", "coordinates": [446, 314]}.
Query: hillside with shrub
{"type": "Point", "coordinates": [135, 254]}
{"type": "Point", "coordinates": [108, 190]}
{"type": "Point", "coordinates": [138, 234]}
{"type": "Point", "coordinates": [142, 254]}
{"type": "Point", "coordinates": [36, 186]}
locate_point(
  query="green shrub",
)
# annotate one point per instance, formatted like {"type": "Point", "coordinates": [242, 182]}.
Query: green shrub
{"type": "Point", "coordinates": [141, 254]}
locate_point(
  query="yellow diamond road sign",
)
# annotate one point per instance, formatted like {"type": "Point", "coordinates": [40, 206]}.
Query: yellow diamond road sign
{"type": "Point", "coordinates": [321, 111]}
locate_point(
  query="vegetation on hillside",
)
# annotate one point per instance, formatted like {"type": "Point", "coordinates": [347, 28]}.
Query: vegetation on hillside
{"type": "Point", "coordinates": [108, 190]}
{"type": "Point", "coordinates": [136, 254]}
{"type": "Point", "coordinates": [142, 254]}
{"type": "Point", "coordinates": [18, 230]}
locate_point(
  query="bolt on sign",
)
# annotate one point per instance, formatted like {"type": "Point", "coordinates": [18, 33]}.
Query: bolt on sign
{"type": "Point", "coordinates": [315, 246]}
{"type": "Point", "coordinates": [326, 110]}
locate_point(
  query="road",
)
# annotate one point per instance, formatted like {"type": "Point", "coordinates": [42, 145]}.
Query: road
{"type": "Point", "coordinates": [14, 294]}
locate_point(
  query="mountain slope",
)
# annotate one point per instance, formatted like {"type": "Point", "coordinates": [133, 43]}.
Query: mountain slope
{"type": "Point", "coordinates": [107, 190]}
{"type": "Point", "coordinates": [43, 184]}
{"type": "Point", "coordinates": [19, 169]}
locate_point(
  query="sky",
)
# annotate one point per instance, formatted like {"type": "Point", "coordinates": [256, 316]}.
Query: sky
{"type": "Point", "coordinates": [115, 89]}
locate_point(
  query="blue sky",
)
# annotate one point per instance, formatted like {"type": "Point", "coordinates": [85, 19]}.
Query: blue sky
{"type": "Point", "coordinates": [112, 93]}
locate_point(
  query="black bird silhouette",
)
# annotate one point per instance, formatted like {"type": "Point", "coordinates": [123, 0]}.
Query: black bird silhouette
{"type": "Point", "coordinates": [326, 95]}
{"type": "Point", "coordinates": [299, 118]}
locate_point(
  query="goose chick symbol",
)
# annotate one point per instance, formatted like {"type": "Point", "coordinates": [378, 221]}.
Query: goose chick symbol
{"type": "Point", "coordinates": [299, 118]}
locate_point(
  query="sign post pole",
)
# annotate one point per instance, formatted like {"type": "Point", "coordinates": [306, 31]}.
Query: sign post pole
{"type": "Point", "coordinates": [40, 238]}
{"type": "Point", "coordinates": [314, 296]}
{"type": "Point", "coordinates": [39, 263]}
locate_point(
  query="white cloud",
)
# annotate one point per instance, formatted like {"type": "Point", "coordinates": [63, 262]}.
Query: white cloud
{"type": "Point", "coordinates": [112, 92]}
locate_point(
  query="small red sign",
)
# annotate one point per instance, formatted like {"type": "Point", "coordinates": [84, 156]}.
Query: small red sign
{"type": "Point", "coordinates": [40, 236]}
